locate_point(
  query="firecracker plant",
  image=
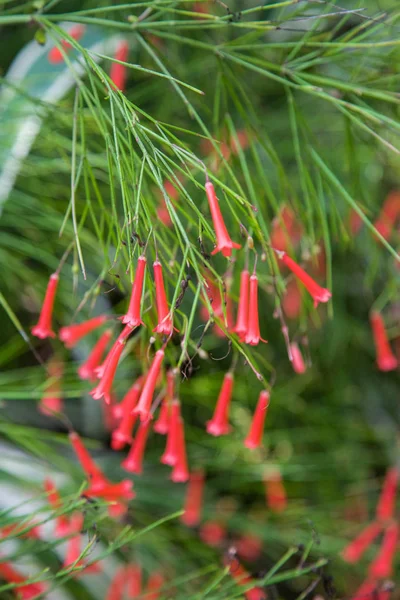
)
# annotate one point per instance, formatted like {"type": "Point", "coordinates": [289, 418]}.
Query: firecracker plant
{"type": "Point", "coordinates": [200, 219]}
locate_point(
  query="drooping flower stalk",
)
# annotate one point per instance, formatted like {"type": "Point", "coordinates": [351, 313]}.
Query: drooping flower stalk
{"type": "Point", "coordinates": [317, 293]}
{"type": "Point", "coordinates": [146, 397]}
{"type": "Point", "coordinates": [118, 71]}
{"type": "Point", "coordinates": [24, 591]}
{"type": "Point", "coordinates": [275, 492]}
{"type": "Point", "coordinates": [180, 472]}
{"type": "Point", "coordinates": [164, 325]}
{"type": "Point", "coordinates": [62, 522]}
{"type": "Point", "coordinates": [219, 424]}
{"type": "Point", "coordinates": [298, 364]}
{"type": "Point", "coordinates": [382, 566]}
{"type": "Point", "coordinates": [87, 370]}
{"type": "Point", "coordinates": [123, 434]}
{"type": "Point", "coordinates": [43, 329]}
{"type": "Point", "coordinates": [224, 242]}
{"type": "Point", "coordinates": [133, 316]}
{"type": "Point", "coordinates": [253, 324]}
{"type": "Point", "coordinates": [387, 501]}
{"type": "Point", "coordinates": [162, 423]}
{"type": "Point", "coordinates": [243, 306]}
{"type": "Point", "coordinates": [154, 585]}
{"type": "Point", "coordinates": [103, 389]}
{"type": "Point", "coordinates": [194, 499]}
{"type": "Point", "coordinates": [134, 461]}
{"type": "Point", "coordinates": [385, 359]}
{"type": "Point", "coordinates": [170, 455]}
{"type": "Point", "coordinates": [254, 437]}
{"type": "Point", "coordinates": [353, 551]}
{"type": "Point", "coordinates": [55, 55]}
{"type": "Point", "coordinates": [52, 400]}
{"type": "Point", "coordinates": [72, 334]}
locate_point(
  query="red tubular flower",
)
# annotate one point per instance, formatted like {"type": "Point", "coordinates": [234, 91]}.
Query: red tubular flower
{"type": "Point", "coordinates": [353, 551]}
{"type": "Point", "coordinates": [285, 230]}
{"type": "Point", "coordinates": [253, 329]}
{"type": "Point", "coordinates": [87, 370]}
{"type": "Point", "coordinates": [170, 455]}
{"type": "Point", "coordinates": [242, 577]}
{"type": "Point", "coordinates": [93, 473]}
{"type": "Point", "coordinates": [317, 293]}
{"type": "Point", "coordinates": [134, 461]}
{"type": "Point", "coordinates": [212, 533]}
{"type": "Point", "coordinates": [219, 423]}
{"type": "Point", "coordinates": [164, 325]}
{"type": "Point", "coordinates": [146, 397]}
{"type": "Point", "coordinates": [134, 576]}
{"type": "Point", "coordinates": [123, 336]}
{"type": "Point", "coordinates": [382, 566]}
{"type": "Point", "coordinates": [117, 585]}
{"type": "Point", "coordinates": [112, 492]}
{"type": "Point", "coordinates": [43, 329]}
{"type": "Point", "coordinates": [387, 500]}
{"type": "Point", "coordinates": [385, 359]}
{"type": "Point", "coordinates": [180, 472]}
{"type": "Point", "coordinates": [275, 491]}
{"type": "Point", "coordinates": [103, 389]}
{"type": "Point", "coordinates": [123, 434]}
{"type": "Point", "coordinates": [297, 359]}
{"type": "Point", "coordinates": [243, 307]}
{"type": "Point", "coordinates": [24, 591]}
{"type": "Point", "coordinates": [367, 591]}
{"type": "Point", "coordinates": [62, 522]}
{"type": "Point", "coordinates": [291, 301]}
{"type": "Point", "coordinates": [117, 71]}
{"type": "Point", "coordinates": [194, 499]}
{"type": "Point", "coordinates": [154, 585]}
{"type": "Point", "coordinates": [254, 437]}
{"type": "Point", "coordinates": [73, 333]}
{"type": "Point", "coordinates": [249, 547]}
{"type": "Point", "coordinates": [162, 423]}
{"type": "Point", "coordinates": [17, 529]}
{"type": "Point", "coordinates": [74, 543]}
{"type": "Point", "coordinates": [55, 55]}
{"type": "Point", "coordinates": [133, 317]}
{"type": "Point", "coordinates": [224, 242]}
{"type": "Point", "coordinates": [52, 401]}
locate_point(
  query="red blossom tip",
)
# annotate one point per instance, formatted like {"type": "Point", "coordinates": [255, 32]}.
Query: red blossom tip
{"type": "Point", "coordinates": [72, 334]}
{"type": "Point", "coordinates": [133, 316]}
{"type": "Point", "coordinates": [254, 437]}
{"type": "Point", "coordinates": [224, 242]}
{"type": "Point", "coordinates": [317, 293]}
{"type": "Point", "coordinates": [43, 329]}
{"type": "Point", "coordinates": [219, 424]}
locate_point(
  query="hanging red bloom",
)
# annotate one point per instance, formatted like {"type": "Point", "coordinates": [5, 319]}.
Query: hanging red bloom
{"type": "Point", "coordinates": [123, 434]}
{"type": "Point", "coordinates": [385, 358]}
{"type": "Point", "coordinates": [317, 293]}
{"type": "Point", "coordinates": [134, 461]}
{"type": "Point", "coordinates": [285, 229]}
{"type": "Point", "coordinates": [253, 328]}
{"type": "Point", "coordinates": [52, 401]}
{"type": "Point", "coordinates": [219, 424]}
{"type": "Point", "coordinates": [43, 329]}
{"type": "Point", "coordinates": [162, 423]}
{"type": "Point", "coordinates": [382, 566]}
{"type": "Point", "coordinates": [111, 492]}
{"type": "Point", "coordinates": [164, 325]}
{"type": "Point", "coordinates": [24, 591]}
{"type": "Point", "coordinates": [224, 242]}
{"type": "Point", "coordinates": [133, 316]}
{"type": "Point", "coordinates": [254, 437]}
{"type": "Point", "coordinates": [387, 500]}
{"type": "Point", "coordinates": [117, 586]}
{"type": "Point", "coordinates": [103, 389]}
{"type": "Point", "coordinates": [134, 577]}
{"type": "Point", "coordinates": [87, 370]}
{"type": "Point", "coordinates": [212, 533]}
{"type": "Point", "coordinates": [242, 577]}
{"type": "Point", "coordinates": [291, 301]}
{"type": "Point", "coordinates": [243, 306]}
{"type": "Point", "coordinates": [249, 547]}
{"type": "Point", "coordinates": [275, 491]}
{"type": "Point", "coordinates": [154, 585]}
{"type": "Point", "coordinates": [220, 310]}
{"type": "Point", "coordinates": [194, 499]}
{"type": "Point", "coordinates": [118, 71]}
{"type": "Point", "coordinates": [367, 591]}
{"type": "Point", "coordinates": [170, 455]}
{"type": "Point", "coordinates": [353, 551]}
{"type": "Point", "coordinates": [121, 339]}
{"type": "Point", "coordinates": [71, 334]}
{"type": "Point", "coordinates": [146, 397]}
{"type": "Point", "coordinates": [297, 359]}
{"type": "Point", "coordinates": [180, 472]}
{"type": "Point", "coordinates": [62, 522]}
{"type": "Point", "coordinates": [55, 55]}
{"type": "Point", "coordinates": [93, 473]}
